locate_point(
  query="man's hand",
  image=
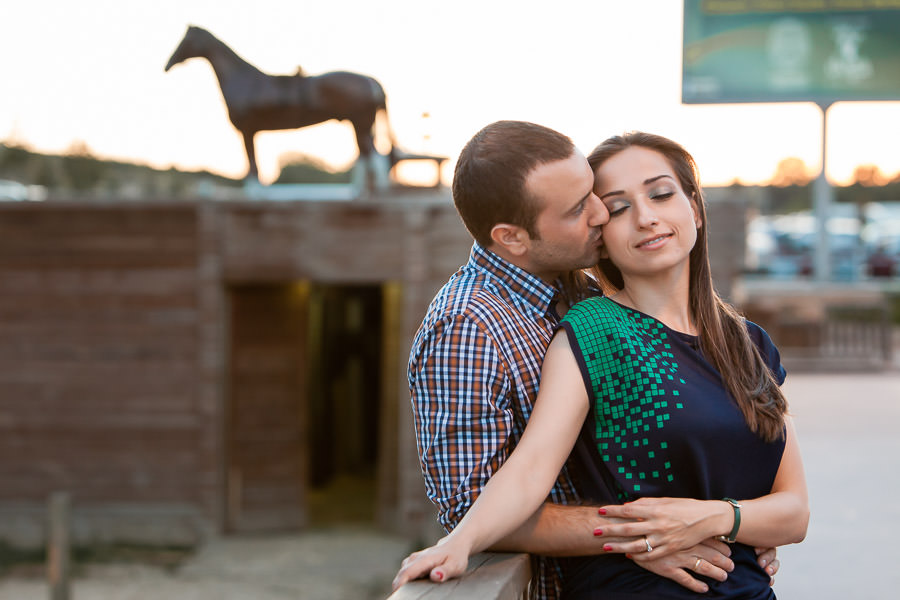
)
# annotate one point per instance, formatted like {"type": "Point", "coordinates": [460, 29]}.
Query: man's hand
{"type": "Point", "coordinates": [767, 559]}
{"type": "Point", "coordinates": [710, 558]}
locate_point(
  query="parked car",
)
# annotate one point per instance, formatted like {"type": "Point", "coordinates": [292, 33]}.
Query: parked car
{"type": "Point", "coordinates": [13, 190]}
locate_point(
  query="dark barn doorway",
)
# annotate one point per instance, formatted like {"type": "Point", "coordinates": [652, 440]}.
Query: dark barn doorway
{"type": "Point", "coordinates": [305, 405]}
{"type": "Point", "coordinates": [345, 387]}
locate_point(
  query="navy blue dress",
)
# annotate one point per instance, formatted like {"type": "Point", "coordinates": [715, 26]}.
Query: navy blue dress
{"type": "Point", "coordinates": [661, 423]}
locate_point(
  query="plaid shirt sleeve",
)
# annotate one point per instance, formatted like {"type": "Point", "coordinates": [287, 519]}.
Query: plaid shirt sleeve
{"type": "Point", "coordinates": [463, 414]}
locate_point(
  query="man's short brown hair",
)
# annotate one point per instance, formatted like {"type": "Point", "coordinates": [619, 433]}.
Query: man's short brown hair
{"type": "Point", "coordinates": [490, 174]}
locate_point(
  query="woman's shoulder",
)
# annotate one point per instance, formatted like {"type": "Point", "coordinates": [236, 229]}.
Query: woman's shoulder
{"type": "Point", "coordinates": [592, 308]}
{"type": "Point", "coordinates": [759, 335]}
{"type": "Point", "coordinates": [767, 349]}
{"type": "Point", "coordinates": [594, 316]}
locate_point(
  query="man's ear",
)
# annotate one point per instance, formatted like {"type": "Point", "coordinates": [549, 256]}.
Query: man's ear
{"type": "Point", "coordinates": [511, 238]}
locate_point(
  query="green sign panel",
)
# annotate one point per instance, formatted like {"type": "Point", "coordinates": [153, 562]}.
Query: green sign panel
{"type": "Point", "coordinates": [790, 51]}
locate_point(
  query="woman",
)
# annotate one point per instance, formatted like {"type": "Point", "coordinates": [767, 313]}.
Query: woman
{"type": "Point", "coordinates": [668, 396]}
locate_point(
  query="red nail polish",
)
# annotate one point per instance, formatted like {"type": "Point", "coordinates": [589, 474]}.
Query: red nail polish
{"type": "Point", "coordinates": [607, 548]}
{"type": "Point", "coordinates": [440, 576]}
{"type": "Point", "coordinates": [601, 511]}
{"type": "Point", "coordinates": [627, 556]}
{"type": "Point", "coordinates": [598, 531]}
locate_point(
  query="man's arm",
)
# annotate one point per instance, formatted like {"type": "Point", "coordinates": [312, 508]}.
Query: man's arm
{"type": "Point", "coordinates": [556, 530]}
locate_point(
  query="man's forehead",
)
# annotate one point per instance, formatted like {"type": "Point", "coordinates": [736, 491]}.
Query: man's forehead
{"type": "Point", "coordinates": [560, 181]}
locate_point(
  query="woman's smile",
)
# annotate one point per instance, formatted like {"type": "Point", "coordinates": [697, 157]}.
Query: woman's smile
{"type": "Point", "coordinates": [654, 242]}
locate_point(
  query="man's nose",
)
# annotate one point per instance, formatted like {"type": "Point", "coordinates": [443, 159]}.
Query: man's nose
{"type": "Point", "coordinates": [599, 212]}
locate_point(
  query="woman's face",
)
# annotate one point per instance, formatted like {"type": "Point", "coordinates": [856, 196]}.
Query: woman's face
{"type": "Point", "coordinates": [652, 223]}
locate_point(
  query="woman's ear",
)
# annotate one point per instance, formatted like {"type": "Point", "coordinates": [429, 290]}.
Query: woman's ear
{"type": "Point", "coordinates": [512, 238]}
{"type": "Point", "coordinates": [695, 207]}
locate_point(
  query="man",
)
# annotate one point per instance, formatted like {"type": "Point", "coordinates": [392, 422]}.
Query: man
{"type": "Point", "coordinates": [525, 193]}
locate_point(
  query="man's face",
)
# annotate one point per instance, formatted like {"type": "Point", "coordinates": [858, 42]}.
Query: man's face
{"type": "Point", "coordinates": [569, 218]}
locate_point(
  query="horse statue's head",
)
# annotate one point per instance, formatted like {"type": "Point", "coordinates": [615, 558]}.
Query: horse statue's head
{"type": "Point", "coordinates": [196, 43]}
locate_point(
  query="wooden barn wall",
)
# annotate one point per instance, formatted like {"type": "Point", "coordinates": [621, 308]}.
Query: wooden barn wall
{"type": "Point", "coordinates": [113, 345]}
{"type": "Point", "coordinates": [100, 327]}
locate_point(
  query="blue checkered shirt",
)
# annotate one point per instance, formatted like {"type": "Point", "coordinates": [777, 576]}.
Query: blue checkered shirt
{"type": "Point", "coordinates": [473, 374]}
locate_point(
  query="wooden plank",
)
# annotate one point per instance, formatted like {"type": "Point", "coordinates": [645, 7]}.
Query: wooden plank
{"type": "Point", "coordinates": [265, 431]}
{"type": "Point", "coordinates": [490, 576]}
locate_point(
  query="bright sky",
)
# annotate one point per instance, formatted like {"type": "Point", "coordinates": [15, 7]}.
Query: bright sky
{"type": "Point", "coordinates": [92, 71]}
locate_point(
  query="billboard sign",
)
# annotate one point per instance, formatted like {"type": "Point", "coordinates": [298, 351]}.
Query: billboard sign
{"type": "Point", "coordinates": [790, 51]}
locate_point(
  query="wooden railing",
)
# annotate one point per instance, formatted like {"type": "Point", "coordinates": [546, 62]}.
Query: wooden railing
{"type": "Point", "coordinates": [490, 576]}
{"type": "Point", "coordinates": [844, 338]}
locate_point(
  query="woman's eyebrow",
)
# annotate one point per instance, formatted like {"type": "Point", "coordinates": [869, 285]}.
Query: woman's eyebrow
{"type": "Point", "coordinates": [658, 177]}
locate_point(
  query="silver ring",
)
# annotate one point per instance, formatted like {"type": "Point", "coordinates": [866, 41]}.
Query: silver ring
{"type": "Point", "coordinates": [649, 547]}
{"type": "Point", "coordinates": [697, 564]}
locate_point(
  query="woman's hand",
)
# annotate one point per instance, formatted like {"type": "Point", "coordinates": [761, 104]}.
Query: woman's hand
{"type": "Point", "coordinates": [443, 561]}
{"type": "Point", "coordinates": [666, 525]}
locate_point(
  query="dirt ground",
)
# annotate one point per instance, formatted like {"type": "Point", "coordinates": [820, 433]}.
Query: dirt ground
{"type": "Point", "coordinates": [337, 563]}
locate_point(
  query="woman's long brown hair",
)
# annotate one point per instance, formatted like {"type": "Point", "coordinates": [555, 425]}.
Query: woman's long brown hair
{"type": "Point", "coordinates": [724, 338]}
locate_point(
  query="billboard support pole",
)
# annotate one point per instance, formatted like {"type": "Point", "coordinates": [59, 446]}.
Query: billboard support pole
{"type": "Point", "coordinates": [823, 198]}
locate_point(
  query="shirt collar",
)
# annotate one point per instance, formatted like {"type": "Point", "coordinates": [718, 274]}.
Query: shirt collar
{"type": "Point", "coordinates": [530, 287]}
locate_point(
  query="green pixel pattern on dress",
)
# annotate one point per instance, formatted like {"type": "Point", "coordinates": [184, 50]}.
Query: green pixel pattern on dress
{"type": "Point", "coordinates": [633, 379]}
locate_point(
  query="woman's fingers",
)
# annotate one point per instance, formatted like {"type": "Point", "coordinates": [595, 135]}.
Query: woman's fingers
{"type": "Point", "coordinates": [641, 548]}
{"type": "Point", "coordinates": [435, 563]}
{"type": "Point", "coordinates": [416, 565]}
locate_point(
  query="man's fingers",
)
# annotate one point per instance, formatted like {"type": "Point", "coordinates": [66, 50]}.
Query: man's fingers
{"type": "Point", "coordinates": [714, 558]}
{"type": "Point", "coordinates": [765, 556]}
{"type": "Point", "coordinates": [773, 568]}
{"type": "Point", "coordinates": [704, 567]}
{"type": "Point", "coordinates": [683, 579]}
{"type": "Point", "coordinates": [720, 547]}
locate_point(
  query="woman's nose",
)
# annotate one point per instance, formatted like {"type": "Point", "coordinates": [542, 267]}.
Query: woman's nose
{"type": "Point", "coordinates": [646, 216]}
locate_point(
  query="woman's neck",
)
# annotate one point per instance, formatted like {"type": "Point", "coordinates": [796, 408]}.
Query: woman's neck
{"type": "Point", "coordinates": [666, 301]}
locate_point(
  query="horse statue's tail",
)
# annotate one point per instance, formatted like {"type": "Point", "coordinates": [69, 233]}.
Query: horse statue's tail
{"type": "Point", "coordinates": [394, 153]}
{"type": "Point", "coordinates": [383, 123]}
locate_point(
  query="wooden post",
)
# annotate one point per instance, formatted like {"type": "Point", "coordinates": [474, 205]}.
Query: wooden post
{"type": "Point", "coordinates": [58, 546]}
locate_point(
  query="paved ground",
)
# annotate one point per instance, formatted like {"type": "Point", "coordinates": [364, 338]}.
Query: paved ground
{"type": "Point", "coordinates": [848, 433]}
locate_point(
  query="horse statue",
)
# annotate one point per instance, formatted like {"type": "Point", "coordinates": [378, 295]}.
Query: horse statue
{"type": "Point", "coordinates": [257, 101]}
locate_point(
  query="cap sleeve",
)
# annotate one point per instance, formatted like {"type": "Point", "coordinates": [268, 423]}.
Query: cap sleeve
{"type": "Point", "coordinates": [767, 350]}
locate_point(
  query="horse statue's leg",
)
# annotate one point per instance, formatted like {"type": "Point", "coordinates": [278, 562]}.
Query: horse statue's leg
{"type": "Point", "coordinates": [253, 171]}
{"type": "Point", "coordinates": [376, 166]}
{"type": "Point", "coordinates": [381, 167]}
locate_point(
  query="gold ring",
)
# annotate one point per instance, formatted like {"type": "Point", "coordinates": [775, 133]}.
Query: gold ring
{"type": "Point", "coordinates": [697, 564]}
{"type": "Point", "coordinates": [647, 541]}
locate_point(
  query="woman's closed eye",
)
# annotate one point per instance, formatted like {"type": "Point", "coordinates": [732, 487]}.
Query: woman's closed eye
{"type": "Point", "coordinates": [661, 195]}
{"type": "Point", "coordinates": [617, 207]}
